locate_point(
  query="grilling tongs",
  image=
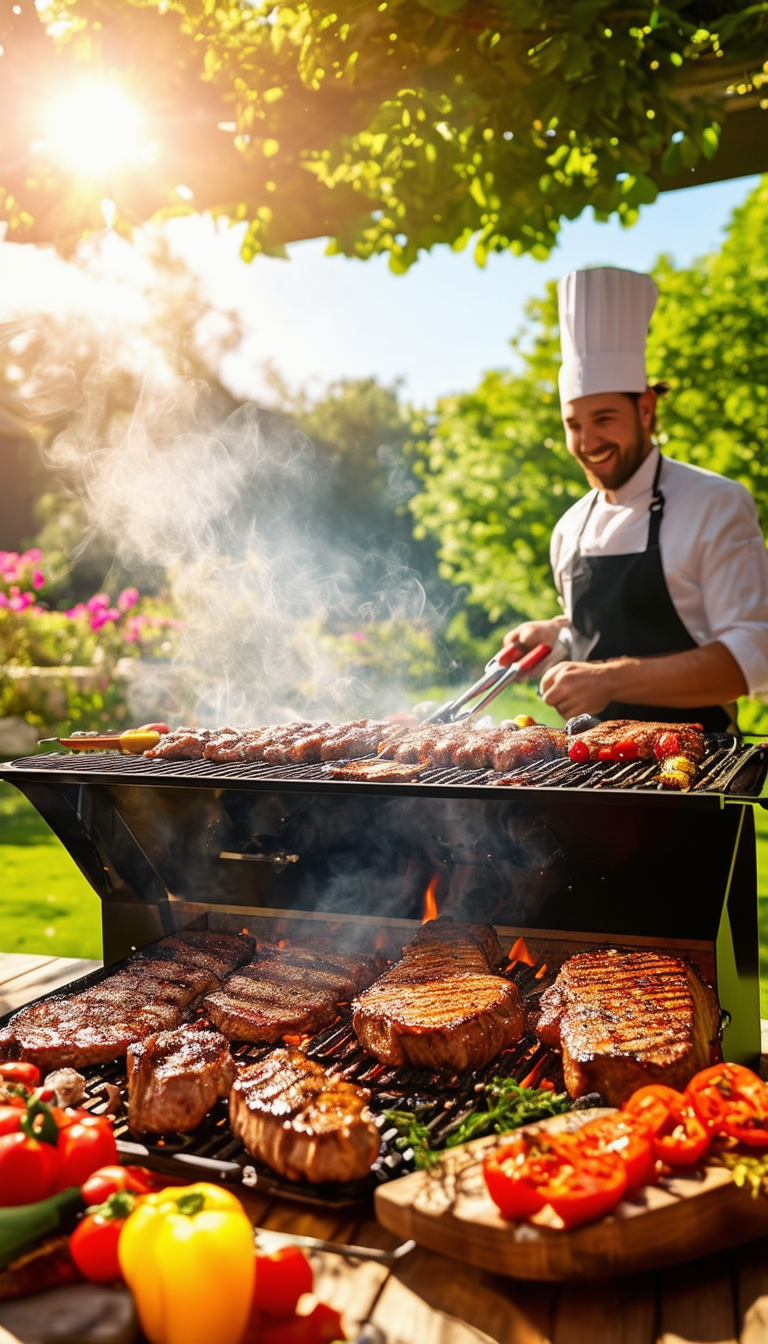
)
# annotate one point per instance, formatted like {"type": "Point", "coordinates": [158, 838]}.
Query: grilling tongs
{"type": "Point", "coordinates": [504, 669]}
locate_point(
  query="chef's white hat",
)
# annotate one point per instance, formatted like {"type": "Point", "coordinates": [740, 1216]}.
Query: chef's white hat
{"type": "Point", "coordinates": [604, 316]}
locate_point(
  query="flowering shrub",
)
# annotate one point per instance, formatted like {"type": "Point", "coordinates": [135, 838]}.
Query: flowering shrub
{"type": "Point", "coordinates": [95, 634]}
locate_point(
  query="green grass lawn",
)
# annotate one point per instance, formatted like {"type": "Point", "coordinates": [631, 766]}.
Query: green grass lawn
{"type": "Point", "coordinates": [46, 905]}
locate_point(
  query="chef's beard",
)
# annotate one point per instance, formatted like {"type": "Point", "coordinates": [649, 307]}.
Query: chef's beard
{"type": "Point", "coordinates": [623, 466]}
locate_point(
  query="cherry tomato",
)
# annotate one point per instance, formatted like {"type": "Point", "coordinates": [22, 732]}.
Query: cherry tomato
{"type": "Point", "coordinates": [578, 751]}
{"type": "Point", "coordinates": [109, 1180]}
{"type": "Point", "coordinates": [86, 1144]}
{"type": "Point", "coordinates": [159, 727]}
{"type": "Point", "coordinates": [624, 751]}
{"type": "Point", "coordinates": [321, 1326]}
{"type": "Point", "coordinates": [281, 1279]}
{"type": "Point", "coordinates": [605, 753]}
{"type": "Point", "coordinates": [93, 1244]}
{"type": "Point", "coordinates": [677, 1135]}
{"type": "Point", "coordinates": [28, 1169]}
{"type": "Point", "coordinates": [510, 1179]}
{"type": "Point", "coordinates": [10, 1119]}
{"type": "Point", "coordinates": [621, 1135]}
{"type": "Point", "coordinates": [667, 744]}
{"type": "Point", "coordinates": [729, 1099]}
{"type": "Point", "coordinates": [19, 1072]}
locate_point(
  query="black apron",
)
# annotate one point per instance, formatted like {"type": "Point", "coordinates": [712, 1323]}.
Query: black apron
{"type": "Point", "coordinates": [622, 609]}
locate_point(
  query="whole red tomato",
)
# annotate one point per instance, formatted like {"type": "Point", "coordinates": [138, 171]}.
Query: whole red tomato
{"type": "Point", "coordinates": [321, 1326]}
{"type": "Point", "coordinates": [281, 1279]}
{"type": "Point", "coordinates": [28, 1169]}
{"type": "Point", "coordinates": [110, 1180]}
{"type": "Point", "coordinates": [10, 1119]}
{"type": "Point", "coordinates": [85, 1145]}
{"type": "Point", "coordinates": [93, 1244]}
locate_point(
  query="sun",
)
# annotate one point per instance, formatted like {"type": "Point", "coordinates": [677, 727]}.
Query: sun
{"type": "Point", "coordinates": [95, 129]}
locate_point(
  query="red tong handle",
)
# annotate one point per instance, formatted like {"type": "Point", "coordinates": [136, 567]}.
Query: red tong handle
{"type": "Point", "coordinates": [514, 654]}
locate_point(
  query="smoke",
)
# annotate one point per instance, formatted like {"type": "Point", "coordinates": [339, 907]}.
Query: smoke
{"type": "Point", "coordinates": [230, 505]}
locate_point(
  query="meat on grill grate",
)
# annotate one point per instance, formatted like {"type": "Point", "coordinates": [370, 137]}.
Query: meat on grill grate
{"type": "Point", "coordinates": [644, 736]}
{"type": "Point", "coordinates": [154, 992]}
{"type": "Point", "coordinates": [303, 1122]}
{"type": "Point", "coordinates": [624, 1019]}
{"type": "Point", "coordinates": [288, 991]}
{"type": "Point", "coordinates": [175, 1077]}
{"type": "Point", "coordinates": [441, 1006]}
{"type": "Point", "coordinates": [471, 748]}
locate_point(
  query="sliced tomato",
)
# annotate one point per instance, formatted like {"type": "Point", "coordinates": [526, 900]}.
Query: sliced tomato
{"type": "Point", "coordinates": [281, 1279]}
{"type": "Point", "coordinates": [730, 1099]}
{"type": "Point", "coordinates": [677, 1135]}
{"type": "Point", "coordinates": [20, 1072]}
{"type": "Point", "coordinates": [510, 1177]}
{"type": "Point", "coordinates": [585, 1185]}
{"type": "Point", "coordinates": [620, 1134]}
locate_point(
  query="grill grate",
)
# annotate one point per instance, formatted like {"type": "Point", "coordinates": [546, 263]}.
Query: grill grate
{"type": "Point", "coordinates": [727, 767]}
{"type": "Point", "coordinates": [211, 1150]}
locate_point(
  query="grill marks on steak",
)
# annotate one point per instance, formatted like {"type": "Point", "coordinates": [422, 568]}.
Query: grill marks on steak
{"type": "Point", "coordinates": [624, 1019]}
{"type": "Point", "coordinates": [302, 1121]}
{"type": "Point", "coordinates": [288, 991]}
{"type": "Point", "coordinates": [175, 1077]}
{"type": "Point", "coordinates": [154, 992]}
{"type": "Point", "coordinates": [441, 1006]}
{"type": "Point", "coordinates": [468, 747]}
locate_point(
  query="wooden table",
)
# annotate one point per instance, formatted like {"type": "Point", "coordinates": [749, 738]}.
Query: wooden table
{"type": "Point", "coordinates": [428, 1299]}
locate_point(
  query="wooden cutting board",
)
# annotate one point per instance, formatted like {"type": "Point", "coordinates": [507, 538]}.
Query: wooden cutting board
{"type": "Point", "coordinates": [449, 1210]}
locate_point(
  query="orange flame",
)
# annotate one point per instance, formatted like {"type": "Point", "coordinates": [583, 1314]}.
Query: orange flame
{"type": "Point", "coordinates": [541, 971]}
{"type": "Point", "coordinates": [519, 952]}
{"type": "Point", "coordinates": [430, 903]}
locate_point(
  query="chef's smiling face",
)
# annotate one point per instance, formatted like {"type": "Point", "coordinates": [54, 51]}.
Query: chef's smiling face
{"type": "Point", "coordinates": [610, 435]}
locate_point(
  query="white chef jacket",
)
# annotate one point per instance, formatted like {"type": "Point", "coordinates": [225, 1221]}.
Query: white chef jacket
{"type": "Point", "coordinates": [712, 553]}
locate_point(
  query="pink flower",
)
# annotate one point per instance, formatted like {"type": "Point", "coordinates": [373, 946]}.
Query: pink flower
{"type": "Point", "coordinates": [38, 579]}
{"type": "Point", "coordinates": [33, 557]}
{"type": "Point", "coordinates": [357, 635]}
{"type": "Point", "coordinates": [10, 573]}
{"type": "Point", "coordinates": [98, 619]}
{"type": "Point", "coordinates": [112, 614]}
{"type": "Point", "coordinates": [99, 602]}
{"type": "Point", "coordinates": [3, 600]}
{"type": "Point", "coordinates": [128, 598]}
{"type": "Point", "coordinates": [20, 601]}
{"type": "Point", "coordinates": [75, 612]}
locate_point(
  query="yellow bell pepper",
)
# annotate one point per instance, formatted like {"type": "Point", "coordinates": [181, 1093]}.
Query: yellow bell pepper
{"type": "Point", "coordinates": [138, 740]}
{"type": "Point", "coordinates": [187, 1254]}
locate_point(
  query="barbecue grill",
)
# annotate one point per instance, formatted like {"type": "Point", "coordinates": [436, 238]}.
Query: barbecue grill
{"type": "Point", "coordinates": [564, 857]}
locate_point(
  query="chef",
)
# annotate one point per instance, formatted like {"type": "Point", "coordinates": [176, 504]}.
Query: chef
{"type": "Point", "coordinates": [661, 568]}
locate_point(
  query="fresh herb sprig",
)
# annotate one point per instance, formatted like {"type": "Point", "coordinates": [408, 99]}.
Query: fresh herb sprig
{"type": "Point", "coordinates": [747, 1171]}
{"type": "Point", "coordinates": [412, 1133]}
{"type": "Point", "coordinates": [502, 1105]}
{"type": "Point", "coordinates": [508, 1106]}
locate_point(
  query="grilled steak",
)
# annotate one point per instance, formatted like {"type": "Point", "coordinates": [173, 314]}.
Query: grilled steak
{"type": "Point", "coordinates": [527, 745]}
{"type": "Point", "coordinates": [175, 1077]}
{"type": "Point", "coordinates": [644, 736]}
{"type": "Point", "coordinates": [624, 1019]}
{"type": "Point", "coordinates": [303, 1122]}
{"type": "Point", "coordinates": [287, 991]}
{"type": "Point", "coordinates": [389, 772]}
{"type": "Point", "coordinates": [154, 992]}
{"type": "Point", "coordinates": [441, 1006]}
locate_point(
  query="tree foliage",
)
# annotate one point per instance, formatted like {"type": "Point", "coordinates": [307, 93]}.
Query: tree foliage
{"type": "Point", "coordinates": [496, 474]}
{"type": "Point", "coordinates": [391, 127]}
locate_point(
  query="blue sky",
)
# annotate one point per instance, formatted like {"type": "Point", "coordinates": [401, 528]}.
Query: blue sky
{"type": "Point", "coordinates": [438, 327]}
{"type": "Point", "coordinates": [442, 324]}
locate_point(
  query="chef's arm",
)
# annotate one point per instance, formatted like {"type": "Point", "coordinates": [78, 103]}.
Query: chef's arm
{"type": "Point", "coordinates": [706, 676]}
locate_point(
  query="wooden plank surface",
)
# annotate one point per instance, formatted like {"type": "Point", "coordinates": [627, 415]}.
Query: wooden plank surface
{"type": "Point", "coordinates": [428, 1299]}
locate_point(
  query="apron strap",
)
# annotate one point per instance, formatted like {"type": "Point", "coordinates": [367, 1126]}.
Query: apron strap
{"type": "Point", "coordinates": [656, 509]}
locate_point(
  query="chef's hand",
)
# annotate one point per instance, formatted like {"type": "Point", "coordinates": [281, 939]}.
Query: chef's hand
{"type": "Point", "coordinates": [577, 688]}
{"type": "Point", "coordinates": [531, 633]}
